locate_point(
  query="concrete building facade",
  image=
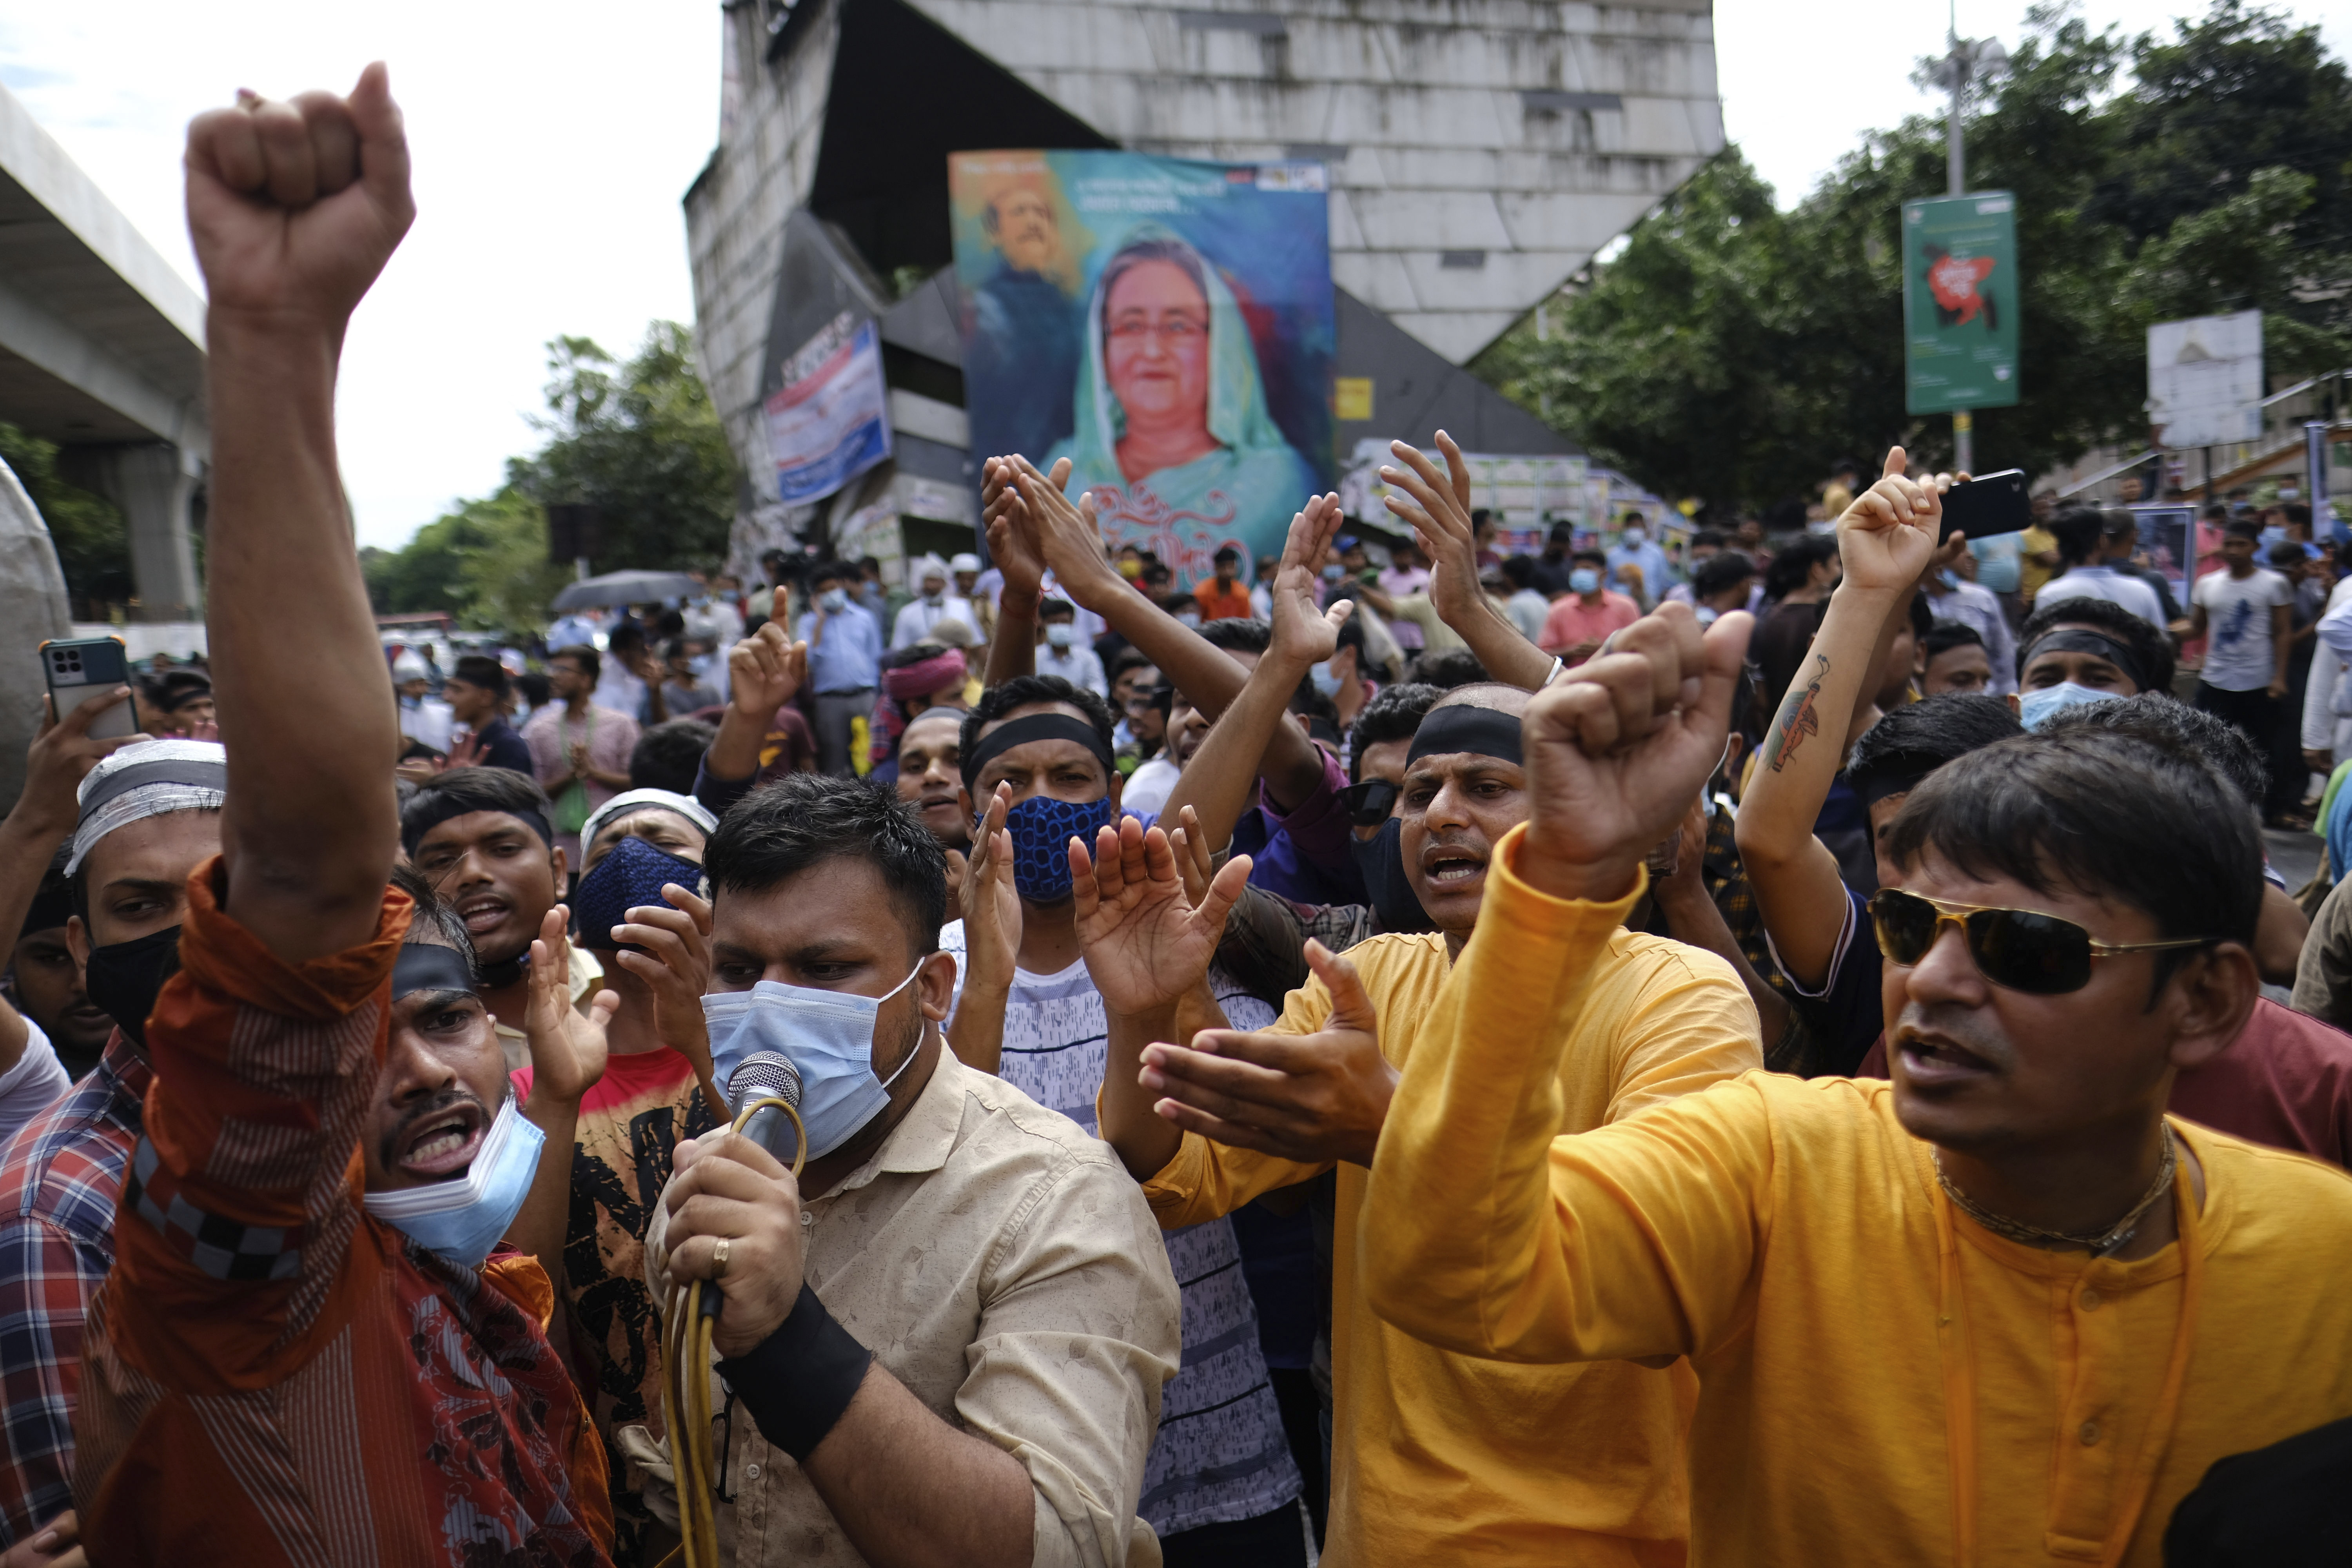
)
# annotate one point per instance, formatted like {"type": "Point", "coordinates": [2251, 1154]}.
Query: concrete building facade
{"type": "Point", "coordinates": [1479, 153]}
{"type": "Point", "coordinates": [102, 351]}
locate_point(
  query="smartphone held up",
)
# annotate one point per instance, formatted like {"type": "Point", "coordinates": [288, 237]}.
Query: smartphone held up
{"type": "Point", "coordinates": [78, 669]}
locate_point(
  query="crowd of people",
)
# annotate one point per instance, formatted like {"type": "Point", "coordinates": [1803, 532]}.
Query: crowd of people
{"type": "Point", "coordinates": [1772, 1056]}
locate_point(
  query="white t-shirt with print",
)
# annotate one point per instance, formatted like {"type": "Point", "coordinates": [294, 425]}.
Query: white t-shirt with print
{"type": "Point", "coordinates": [1221, 1454]}
{"type": "Point", "coordinates": [2238, 626]}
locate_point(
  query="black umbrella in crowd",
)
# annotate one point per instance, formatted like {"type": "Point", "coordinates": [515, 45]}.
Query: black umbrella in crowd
{"type": "Point", "coordinates": [615, 588]}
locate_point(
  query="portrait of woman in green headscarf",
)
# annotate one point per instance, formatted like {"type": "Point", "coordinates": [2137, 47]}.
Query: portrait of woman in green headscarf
{"type": "Point", "coordinates": [1172, 431]}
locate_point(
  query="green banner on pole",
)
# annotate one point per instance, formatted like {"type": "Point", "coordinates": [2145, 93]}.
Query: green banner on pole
{"type": "Point", "coordinates": [1960, 302]}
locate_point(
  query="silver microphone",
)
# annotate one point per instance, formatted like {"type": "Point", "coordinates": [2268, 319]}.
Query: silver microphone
{"type": "Point", "coordinates": [765, 1075]}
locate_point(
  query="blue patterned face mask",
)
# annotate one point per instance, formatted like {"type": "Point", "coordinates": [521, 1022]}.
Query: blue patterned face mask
{"type": "Point", "coordinates": [1041, 829]}
{"type": "Point", "coordinates": [630, 875]}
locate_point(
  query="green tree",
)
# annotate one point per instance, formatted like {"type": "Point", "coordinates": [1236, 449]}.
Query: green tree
{"type": "Point", "coordinates": [1732, 353]}
{"type": "Point", "coordinates": [93, 545]}
{"type": "Point", "coordinates": [641, 442]}
{"type": "Point", "coordinates": [484, 563]}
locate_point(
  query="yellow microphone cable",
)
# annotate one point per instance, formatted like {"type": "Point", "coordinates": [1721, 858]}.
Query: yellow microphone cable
{"type": "Point", "coordinates": [686, 1391]}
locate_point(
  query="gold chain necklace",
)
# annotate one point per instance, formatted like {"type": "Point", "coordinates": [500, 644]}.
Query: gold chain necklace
{"type": "Point", "coordinates": [2113, 1236]}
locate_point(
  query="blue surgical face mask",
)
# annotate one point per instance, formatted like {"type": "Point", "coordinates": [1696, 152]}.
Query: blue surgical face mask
{"type": "Point", "coordinates": [1583, 580]}
{"type": "Point", "coordinates": [1041, 829]}
{"type": "Point", "coordinates": [1061, 634]}
{"type": "Point", "coordinates": [1332, 573]}
{"type": "Point", "coordinates": [833, 600]}
{"type": "Point", "coordinates": [463, 1218]}
{"type": "Point", "coordinates": [827, 1034]}
{"type": "Point", "coordinates": [1706, 615]}
{"type": "Point", "coordinates": [1325, 681]}
{"type": "Point", "coordinates": [2034, 708]}
{"type": "Point", "coordinates": [1632, 538]}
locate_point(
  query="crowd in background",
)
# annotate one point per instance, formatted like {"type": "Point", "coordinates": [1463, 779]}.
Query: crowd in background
{"type": "Point", "coordinates": [1787, 1049]}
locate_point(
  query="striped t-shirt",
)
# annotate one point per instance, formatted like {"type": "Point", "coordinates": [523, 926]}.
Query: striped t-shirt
{"type": "Point", "coordinates": [1221, 1454]}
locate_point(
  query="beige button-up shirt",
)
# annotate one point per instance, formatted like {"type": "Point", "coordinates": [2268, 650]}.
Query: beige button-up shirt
{"type": "Point", "coordinates": [1001, 1264]}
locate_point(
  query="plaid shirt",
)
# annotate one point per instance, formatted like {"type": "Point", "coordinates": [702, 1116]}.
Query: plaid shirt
{"type": "Point", "coordinates": [59, 1178]}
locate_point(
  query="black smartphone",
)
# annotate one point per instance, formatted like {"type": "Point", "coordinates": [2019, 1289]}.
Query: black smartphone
{"type": "Point", "coordinates": [1989, 504]}
{"type": "Point", "coordinates": [78, 667]}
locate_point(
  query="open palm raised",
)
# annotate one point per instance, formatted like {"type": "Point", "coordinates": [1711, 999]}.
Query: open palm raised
{"type": "Point", "coordinates": [1145, 944]}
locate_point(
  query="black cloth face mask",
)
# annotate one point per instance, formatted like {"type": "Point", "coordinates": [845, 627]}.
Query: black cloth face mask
{"type": "Point", "coordinates": [1380, 860]}
{"type": "Point", "coordinates": [123, 978]}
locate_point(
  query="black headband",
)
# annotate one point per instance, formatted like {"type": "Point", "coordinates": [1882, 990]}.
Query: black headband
{"type": "Point", "coordinates": [429, 966]}
{"type": "Point", "coordinates": [2085, 639]}
{"type": "Point", "coordinates": [430, 810]}
{"type": "Point", "coordinates": [1033, 727]}
{"type": "Point", "coordinates": [1461, 727]}
{"type": "Point", "coordinates": [194, 773]}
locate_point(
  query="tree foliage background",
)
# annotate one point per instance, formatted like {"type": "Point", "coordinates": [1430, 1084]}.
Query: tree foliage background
{"type": "Point", "coordinates": [636, 438]}
{"type": "Point", "coordinates": [1732, 350]}
{"type": "Point", "coordinates": [92, 541]}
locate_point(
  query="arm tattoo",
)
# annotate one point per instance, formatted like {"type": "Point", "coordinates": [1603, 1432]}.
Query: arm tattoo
{"type": "Point", "coordinates": [1798, 718]}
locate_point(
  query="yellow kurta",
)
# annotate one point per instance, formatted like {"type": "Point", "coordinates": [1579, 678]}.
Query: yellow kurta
{"type": "Point", "coordinates": [1881, 1381]}
{"type": "Point", "coordinates": [1438, 1457]}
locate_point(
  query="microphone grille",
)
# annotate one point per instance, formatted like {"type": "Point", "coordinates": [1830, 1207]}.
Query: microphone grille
{"type": "Point", "coordinates": [762, 1075]}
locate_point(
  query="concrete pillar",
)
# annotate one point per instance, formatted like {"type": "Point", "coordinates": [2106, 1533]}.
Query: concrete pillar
{"type": "Point", "coordinates": [33, 608]}
{"type": "Point", "coordinates": [154, 483]}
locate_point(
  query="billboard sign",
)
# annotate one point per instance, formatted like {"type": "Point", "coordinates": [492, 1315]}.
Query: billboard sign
{"type": "Point", "coordinates": [830, 421]}
{"type": "Point", "coordinates": [1166, 324]}
{"type": "Point", "coordinates": [2205, 379]}
{"type": "Point", "coordinates": [1960, 303]}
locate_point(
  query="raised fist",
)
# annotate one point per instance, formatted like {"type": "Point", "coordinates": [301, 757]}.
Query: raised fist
{"type": "Point", "coordinates": [295, 208]}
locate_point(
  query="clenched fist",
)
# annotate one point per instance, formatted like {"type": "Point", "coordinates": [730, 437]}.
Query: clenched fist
{"type": "Point", "coordinates": [294, 208]}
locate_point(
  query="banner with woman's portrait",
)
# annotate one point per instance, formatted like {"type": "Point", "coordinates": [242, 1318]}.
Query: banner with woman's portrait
{"type": "Point", "coordinates": [1165, 324]}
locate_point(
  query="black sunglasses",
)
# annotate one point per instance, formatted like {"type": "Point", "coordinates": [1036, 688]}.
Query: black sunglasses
{"type": "Point", "coordinates": [1368, 803]}
{"type": "Point", "coordinates": [2020, 948]}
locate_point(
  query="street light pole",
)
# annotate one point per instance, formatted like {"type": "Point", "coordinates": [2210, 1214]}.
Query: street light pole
{"type": "Point", "coordinates": [1966, 58]}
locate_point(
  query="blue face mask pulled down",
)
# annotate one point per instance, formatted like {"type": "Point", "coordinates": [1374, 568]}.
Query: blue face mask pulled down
{"type": "Point", "coordinates": [1041, 829]}
{"type": "Point", "coordinates": [2034, 708]}
{"type": "Point", "coordinates": [827, 1034]}
{"type": "Point", "coordinates": [1325, 683]}
{"type": "Point", "coordinates": [463, 1218]}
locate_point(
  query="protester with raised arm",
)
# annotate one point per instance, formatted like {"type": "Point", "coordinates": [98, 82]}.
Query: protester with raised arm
{"type": "Point", "coordinates": [1435, 1456]}
{"type": "Point", "coordinates": [1439, 511]}
{"type": "Point", "coordinates": [274, 1373]}
{"type": "Point", "coordinates": [2000, 1308]}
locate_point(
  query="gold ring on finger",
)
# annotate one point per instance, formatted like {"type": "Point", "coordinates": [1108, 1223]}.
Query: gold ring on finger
{"type": "Point", "coordinates": [719, 1259]}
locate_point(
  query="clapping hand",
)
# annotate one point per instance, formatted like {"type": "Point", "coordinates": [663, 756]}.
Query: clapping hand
{"type": "Point", "coordinates": [1304, 634]}
{"type": "Point", "coordinates": [1012, 532]}
{"type": "Point", "coordinates": [1066, 533]}
{"type": "Point", "coordinates": [990, 902]}
{"type": "Point", "coordinates": [567, 1049]}
{"type": "Point", "coordinates": [1440, 524]}
{"type": "Point", "coordinates": [1311, 1098]}
{"type": "Point", "coordinates": [1617, 748]}
{"type": "Point", "coordinates": [1144, 944]}
{"type": "Point", "coordinates": [295, 208]}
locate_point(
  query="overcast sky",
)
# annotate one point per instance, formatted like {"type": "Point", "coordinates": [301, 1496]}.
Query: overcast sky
{"type": "Point", "coordinates": [552, 146]}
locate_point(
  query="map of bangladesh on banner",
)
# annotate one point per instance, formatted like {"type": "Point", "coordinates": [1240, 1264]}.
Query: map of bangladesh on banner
{"type": "Point", "coordinates": [1961, 305]}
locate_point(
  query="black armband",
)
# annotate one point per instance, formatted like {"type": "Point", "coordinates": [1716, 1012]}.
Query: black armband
{"type": "Point", "coordinates": [798, 1381]}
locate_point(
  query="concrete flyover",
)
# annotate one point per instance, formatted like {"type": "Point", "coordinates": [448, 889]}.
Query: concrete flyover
{"type": "Point", "coordinates": [102, 350]}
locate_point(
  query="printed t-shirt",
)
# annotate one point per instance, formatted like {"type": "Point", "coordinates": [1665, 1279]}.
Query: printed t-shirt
{"type": "Point", "coordinates": [631, 1123]}
{"type": "Point", "coordinates": [1222, 1454]}
{"type": "Point", "coordinates": [2238, 626]}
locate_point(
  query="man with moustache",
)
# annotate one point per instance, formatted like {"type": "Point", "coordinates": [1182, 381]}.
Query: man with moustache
{"type": "Point", "coordinates": [931, 778]}
{"type": "Point", "coordinates": [1433, 1455]}
{"type": "Point", "coordinates": [482, 840]}
{"type": "Point", "coordinates": [2002, 1308]}
{"type": "Point", "coordinates": [306, 1350]}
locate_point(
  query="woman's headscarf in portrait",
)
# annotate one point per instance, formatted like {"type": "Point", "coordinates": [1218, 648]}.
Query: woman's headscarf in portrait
{"type": "Point", "coordinates": [1238, 417]}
